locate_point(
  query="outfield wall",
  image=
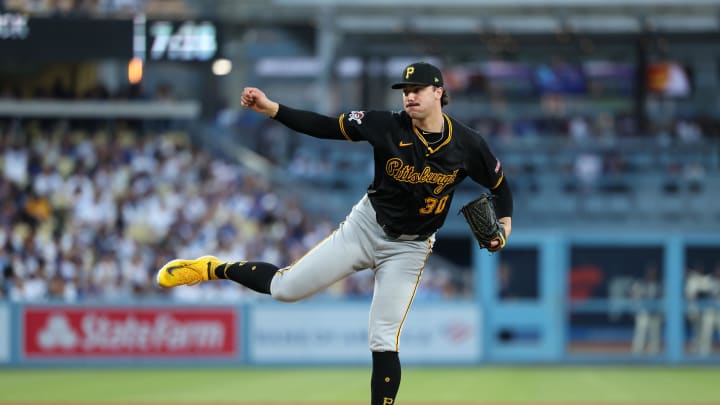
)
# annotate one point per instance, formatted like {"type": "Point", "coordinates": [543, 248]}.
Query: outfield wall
{"type": "Point", "coordinates": [5, 328]}
{"type": "Point", "coordinates": [304, 334]}
{"type": "Point", "coordinates": [260, 334]}
{"type": "Point", "coordinates": [564, 321]}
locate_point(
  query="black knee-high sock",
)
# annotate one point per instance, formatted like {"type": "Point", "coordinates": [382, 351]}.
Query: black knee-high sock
{"type": "Point", "coordinates": [253, 275]}
{"type": "Point", "coordinates": [385, 380]}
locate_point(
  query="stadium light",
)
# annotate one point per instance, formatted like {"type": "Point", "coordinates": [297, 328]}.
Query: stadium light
{"type": "Point", "coordinates": [221, 67]}
{"type": "Point", "coordinates": [135, 70]}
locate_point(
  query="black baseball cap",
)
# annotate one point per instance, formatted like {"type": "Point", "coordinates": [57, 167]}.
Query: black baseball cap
{"type": "Point", "coordinates": [420, 74]}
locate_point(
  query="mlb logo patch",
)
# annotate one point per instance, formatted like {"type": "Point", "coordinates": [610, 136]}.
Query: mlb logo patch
{"type": "Point", "coordinates": [497, 167]}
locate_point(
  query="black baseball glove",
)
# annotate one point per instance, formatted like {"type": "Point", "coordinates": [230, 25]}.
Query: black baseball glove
{"type": "Point", "coordinates": [480, 215]}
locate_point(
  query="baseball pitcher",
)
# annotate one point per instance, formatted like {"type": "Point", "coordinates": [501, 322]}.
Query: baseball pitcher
{"type": "Point", "coordinates": [420, 155]}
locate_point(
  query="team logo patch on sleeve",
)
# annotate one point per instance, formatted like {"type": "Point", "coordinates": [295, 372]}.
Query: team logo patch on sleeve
{"type": "Point", "coordinates": [356, 116]}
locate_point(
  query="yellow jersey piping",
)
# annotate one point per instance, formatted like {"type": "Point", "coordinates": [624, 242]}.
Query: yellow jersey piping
{"type": "Point", "coordinates": [449, 138]}
{"type": "Point", "coordinates": [412, 297]}
{"type": "Point", "coordinates": [502, 176]}
{"type": "Point", "coordinates": [342, 127]}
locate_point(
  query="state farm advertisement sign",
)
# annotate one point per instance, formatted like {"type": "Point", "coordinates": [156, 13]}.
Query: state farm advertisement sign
{"type": "Point", "coordinates": [51, 332]}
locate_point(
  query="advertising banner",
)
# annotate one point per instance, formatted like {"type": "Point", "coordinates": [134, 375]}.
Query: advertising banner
{"type": "Point", "coordinates": [308, 333]}
{"type": "Point", "coordinates": [338, 334]}
{"type": "Point", "coordinates": [442, 334]}
{"type": "Point", "coordinates": [117, 332]}
{"type": "Point", "coordinates": [4, 334]}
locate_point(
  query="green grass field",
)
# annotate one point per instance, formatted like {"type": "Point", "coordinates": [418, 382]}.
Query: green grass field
{"type": "Point", "coordinates": [491, 385]}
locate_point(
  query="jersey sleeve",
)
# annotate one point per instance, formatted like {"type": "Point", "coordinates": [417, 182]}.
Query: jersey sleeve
{"type": "Point", "coordinates": [365, 125]}
{"type": "Point", "coordinates": [484, 168]}
{"type": "Point", "coordinates": [308, 122]}
{"type": "Point", "coordinates": [481, 164]}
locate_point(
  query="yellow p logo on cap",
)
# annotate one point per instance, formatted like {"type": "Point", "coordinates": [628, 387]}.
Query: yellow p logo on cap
{"type": "Point", "coordinates": [409, 71]}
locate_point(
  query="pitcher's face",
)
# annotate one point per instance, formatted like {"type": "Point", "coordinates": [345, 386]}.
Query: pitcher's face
{"type": "Point", "coordinates": [419, 101]}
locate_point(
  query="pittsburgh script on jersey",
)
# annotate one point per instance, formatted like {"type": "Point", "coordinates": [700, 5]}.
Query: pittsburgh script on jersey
{"type": "Point", "coordinates": [398, 170]}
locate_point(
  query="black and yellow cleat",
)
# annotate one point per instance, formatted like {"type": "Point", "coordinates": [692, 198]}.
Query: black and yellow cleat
{"type": "Point", "coordinates": [187, 272]}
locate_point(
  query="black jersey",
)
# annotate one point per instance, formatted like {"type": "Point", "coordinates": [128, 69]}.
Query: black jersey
{"type": "Point", "coordinates": [415, 181]}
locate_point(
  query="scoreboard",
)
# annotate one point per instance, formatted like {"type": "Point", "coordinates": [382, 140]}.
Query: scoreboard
{"type": "Point", "coordinates": [63, 39]}
{"type": "Point", "coordinates": [74, 39]}
{"type": "Point", "coordinates": [181, 40]}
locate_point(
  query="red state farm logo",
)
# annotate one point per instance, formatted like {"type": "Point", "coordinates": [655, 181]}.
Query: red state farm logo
{"type": "Point", "coordinates": [127, 332]}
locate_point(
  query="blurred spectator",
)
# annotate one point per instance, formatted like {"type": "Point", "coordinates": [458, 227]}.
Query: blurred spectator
{"type": "Point", "coordinates": [97, 92]}
{"type": "Point", "coordinates": [710, 313]}
{"type": "Point", "coordinates": [688, 131]}
{"type": "Point", "coordinates": [588, 169]}
{"type": "Point", "coordinates": [579, 129]}
{"type": "Point", "coordinates": [647, 292]}
{"type": "Point", "coordinates": [702, 292]}
{"type": "Point", "coordinates": [36, 208]}
{"type": "Point", "coordinates": [15, 161]}
{"type": "Point", "coordinates": [694, 176]}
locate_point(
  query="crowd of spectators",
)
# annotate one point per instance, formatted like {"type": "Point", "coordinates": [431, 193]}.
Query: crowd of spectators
{"type": "Point", "coordinates": [597, 127]}
{"type": "Point", "coordinates": [95, 8]}
{"type": "Point", "coordinates": [61, 90]}
{"type": "Point", "coordinates": [94, 215]}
